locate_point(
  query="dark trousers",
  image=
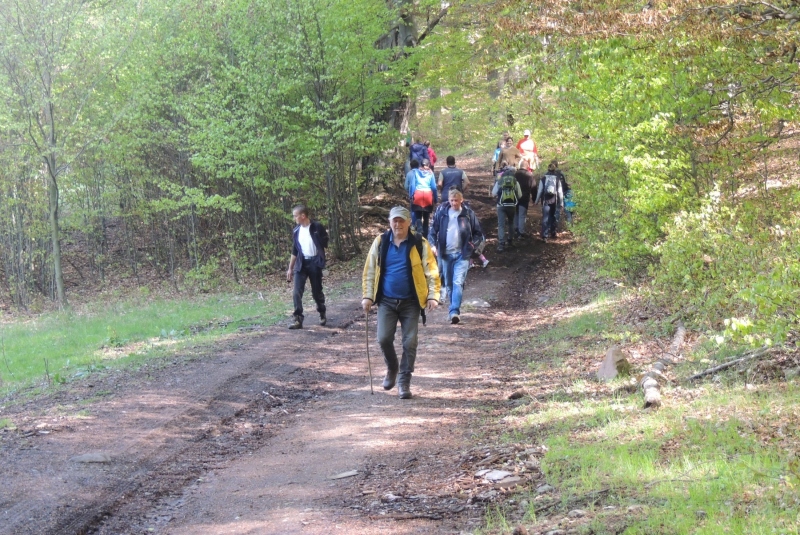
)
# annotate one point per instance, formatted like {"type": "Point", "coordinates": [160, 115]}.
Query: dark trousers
{"type": "Point", "coordinates": [416, 215]}
{"type": "Point", "coordinates": [312, 272]}
{"type": "Point", "coordinates": [549, 220]}
{"type": "Point", "coordinates": [406, 311]}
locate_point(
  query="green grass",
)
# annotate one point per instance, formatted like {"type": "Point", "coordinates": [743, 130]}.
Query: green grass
{"type": "Point", "coordinates": [74, 344]}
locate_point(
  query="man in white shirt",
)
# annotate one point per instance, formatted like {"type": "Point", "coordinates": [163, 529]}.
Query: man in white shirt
{"type": "Point", "coordinates": [309, 240]}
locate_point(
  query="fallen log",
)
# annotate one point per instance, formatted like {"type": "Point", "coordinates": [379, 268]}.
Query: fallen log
{"type": "Point", "coordinates": [748, 356]}
{"type": "Point", "coordinates": [651, 381]}
{"type": "Point", "coordinates": [374, 210]}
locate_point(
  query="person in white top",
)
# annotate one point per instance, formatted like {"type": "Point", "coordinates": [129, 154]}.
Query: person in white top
{"type": "Point", "coordinates": [309, 241]}
{"type": "Point", "coordinates": [529, 151]}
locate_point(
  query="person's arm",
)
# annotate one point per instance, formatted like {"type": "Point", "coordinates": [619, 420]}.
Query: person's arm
{"type": "Point", "coordinates": [539, 191]}
{"type": "Point", "coordinates": [290, 271]}
{"type": "Point", "coordinates": [441, 180]}
{"type": "Point", "coordinates": [323, 236]}
{"type": "Point", "coordinates": [465, 181]}
{"type": "Point", "coordinates": [431, 269]}
{"type": "Point", "coordinates": [368, 276]}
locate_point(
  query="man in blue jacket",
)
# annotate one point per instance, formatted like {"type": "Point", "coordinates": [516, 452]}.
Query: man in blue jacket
{"type": "Point", "coordinates": [454, 234]}
{"type": "Point", "coordinates": [309, 240]}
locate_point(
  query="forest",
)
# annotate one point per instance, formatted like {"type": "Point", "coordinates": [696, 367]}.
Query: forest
{"type": "Point", "coordinates": [168, 141]}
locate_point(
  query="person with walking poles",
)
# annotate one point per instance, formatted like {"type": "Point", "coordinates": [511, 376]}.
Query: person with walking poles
{"type": "Point", "coordinates": [309, 241]}
{"type": "Point", "coordinates": [455, 232]}
{"type": "Point", "coordinates": [551, 194]}
{"type": "Point", "coordinates": [452, 177]}
{"type": "Point", "coordinates": [401, 277]}
{"type": "Point", "coordinates": [507, 192]}
{"type": "Point", "coordinates": [526, 183]}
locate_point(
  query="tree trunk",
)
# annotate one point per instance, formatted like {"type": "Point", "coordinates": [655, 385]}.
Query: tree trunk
{"type": "Point", "coordinates": [52, 191]}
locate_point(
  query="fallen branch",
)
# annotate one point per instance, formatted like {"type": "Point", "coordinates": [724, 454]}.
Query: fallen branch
{"type": "Point", "coordinates": [651, 381]}
{"type": "Point", "coordinates": [374, 210]}
{"type": "Point", "coordinates": [748, 356]}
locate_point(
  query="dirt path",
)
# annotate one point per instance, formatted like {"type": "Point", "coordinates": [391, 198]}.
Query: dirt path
{"type": "Point", "coordinates": [246, 440]}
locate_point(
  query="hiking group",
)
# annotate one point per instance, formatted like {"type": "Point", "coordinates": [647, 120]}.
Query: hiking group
{"type": "Point", "coordinates": [424, 256]}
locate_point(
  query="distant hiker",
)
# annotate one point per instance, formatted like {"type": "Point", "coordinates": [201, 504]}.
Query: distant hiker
{"type": "Point", "coordinates": [550, 194]}
{"type": "Point", "coordinates": [565, 187]}
{"type": "Point", "coordinates": [569, 205]}
{"type": "Point", "coordinates": [401, 277]}
{"type": "Point", "coordinates": [507, 192]}
{"type": "Point", "coordinates": [309, 241]}
{"type": "Point", "coordinates": [496, 156]}
{"type": "Point", "coordinates": [431, 154]}
{"type": "Point", "coordinates": [455, 231]}
{"type": "Point", "coordinates": [418, 151]}
{"type": "Point", "coordinates": [452, 177]}
{"type": "Point", "coordinates": [510, 153]}
{"type": "Point", "coordinates": [529, 151]}
{"type": "Point", "coordinates": [423, 195]}
{"type": "Point", "coordinates": [410, 175]}
{"type": "Point", "coordinates": [526, 183]}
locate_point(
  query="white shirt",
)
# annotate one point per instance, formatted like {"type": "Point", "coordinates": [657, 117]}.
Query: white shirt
{"type": "Point", "coordinates": [453, 236]}
{"type": "Point", "coordinates": [306, 243]}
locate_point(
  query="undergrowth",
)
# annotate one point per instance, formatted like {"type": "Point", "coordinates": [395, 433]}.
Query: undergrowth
{"type": "Point", "coordinates": [719, 456]}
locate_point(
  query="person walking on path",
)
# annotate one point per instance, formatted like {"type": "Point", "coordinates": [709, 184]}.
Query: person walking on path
{"type": "Point", "coordinates": [507, 192]}
{"type": "Point", "coordinates": [551, 195]}
{"type": "Point", "coordinates": [510, 153]}
{"type": "Point", "coordinates": [431, 154]}
{"type": "Point", "coordinates": [418, 151]}
{"type": "Point", "coordinates": [452, 177]}
{"type": "Point", "coordinates": [526, 183]}
{"type": "Point", "coordinates": [529, 151]}
{"type": "Point", "coordinates": [423, 195]}
{"type": "Point", "coordinates": [455, 232]}
{"type": "Point", "coordinates": [401, 277]}
{"type": "Point", "coordinates": [309, 241]}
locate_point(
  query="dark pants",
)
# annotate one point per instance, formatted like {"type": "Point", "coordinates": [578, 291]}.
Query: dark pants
{"type": "Point", "coordinates": [311, 271]}
{"type": "Point", "coordinates": [505, 224]}
{"type": "Point", "coordinates": [406, 311]}
{"type": "Point", "coordinates": [549, 220]}
{"type": "Point", "coordinates": [416, 215]}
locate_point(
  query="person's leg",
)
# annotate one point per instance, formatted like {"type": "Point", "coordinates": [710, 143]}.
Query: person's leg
{"type": "Point", "coordinates": [553, 220]}
{"type": "Point", "coordinates": [545, 220]}
{"type": "Point", "coordinates": [447, 273]}
{"type": "Point", "coordinates": [298, 290]}
{"type": "Point", "coordinates": [315, 277]}
{"type": "Point", "coordinates": [425, 220]}
{"type": "Point", "coordinates": [459, 270]}
{"type": "Point", "coordinates": [409, 323]}
{"type": "Point", "coordinates": [568, 215]}
{"type": "Point", "coordinates": [522, 218]}
{"type": "Point", "coordinates": [510, 213]}
{"type": "Point", "coordinates": [501, 227]}
{"type": "Point", "coordinates": [415, 217]}
{"type": "Point", "coordinates": [387, 326]}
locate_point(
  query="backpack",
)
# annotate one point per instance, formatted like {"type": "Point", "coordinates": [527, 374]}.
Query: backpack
{"type": "Point", "coordinates": [508, 189]}
{"type": "Point", "coordinates": [550, 186]}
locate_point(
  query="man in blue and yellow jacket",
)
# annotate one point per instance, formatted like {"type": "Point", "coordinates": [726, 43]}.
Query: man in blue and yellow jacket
{"type": "Point", "coordinates": [401, 277]}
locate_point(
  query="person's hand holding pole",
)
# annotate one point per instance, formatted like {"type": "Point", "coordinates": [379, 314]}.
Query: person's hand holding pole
{"type": "Point", "coordinates": [366, 304]}
{"type": "Point", "coordinates": [432, 303]}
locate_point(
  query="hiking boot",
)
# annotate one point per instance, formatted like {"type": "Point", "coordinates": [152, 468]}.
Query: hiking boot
{"type": "Point", "coordinates": [454, 319]}
{"type": "Point", "coordinates": [298, 323]}
{"type": "Point", "coordinates": [322, 319]}
{"type": "Point", "coordinates": [390, 379]}
{"type": "Point", "coordinates": [500, 247]}
{"type": "Point", "coordinates": [485, 263]}
{"type": "Point", "coordinates": [404, 386]}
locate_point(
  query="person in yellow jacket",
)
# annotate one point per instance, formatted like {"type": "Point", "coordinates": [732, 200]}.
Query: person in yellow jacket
{"type": "Point", "coordinates": [402, 278]}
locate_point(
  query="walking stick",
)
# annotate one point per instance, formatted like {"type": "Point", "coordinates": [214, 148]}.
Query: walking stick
{"type": "Point", "coordinates": [369, 363]}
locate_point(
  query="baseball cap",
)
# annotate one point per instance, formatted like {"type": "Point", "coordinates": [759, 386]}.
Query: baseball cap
{"type": "Point", "coordinates": [399, 211]}
{"type": "Point", "coordinates": [527, 133]}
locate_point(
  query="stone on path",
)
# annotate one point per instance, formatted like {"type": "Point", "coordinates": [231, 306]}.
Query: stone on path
{"type": "Point", "coordinates": [478, 303]}
{"type": "Point", "coordinates": [544, 489]}
{"type": "Point", "coordinates": [349, 473]}
{"type": "Point", "coordinates": [576, 513]}
{"type": "Point", "coordinates": [98, 457]}
{"type": "Point", "coordinates": [614, 364]}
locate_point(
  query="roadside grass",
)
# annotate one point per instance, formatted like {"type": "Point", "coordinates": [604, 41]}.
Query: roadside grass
{"type": "Point", "coordinates": [69, 345]}
{"type": "Point", "coordinates": [717, 457]}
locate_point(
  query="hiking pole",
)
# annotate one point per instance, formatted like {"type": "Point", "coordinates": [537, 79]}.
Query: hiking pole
{"type": "Point", "coordinates": [369, 363]}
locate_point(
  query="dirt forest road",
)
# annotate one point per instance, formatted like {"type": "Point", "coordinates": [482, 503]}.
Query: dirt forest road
{"type": "Point", "coordinates": [247, 440]}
